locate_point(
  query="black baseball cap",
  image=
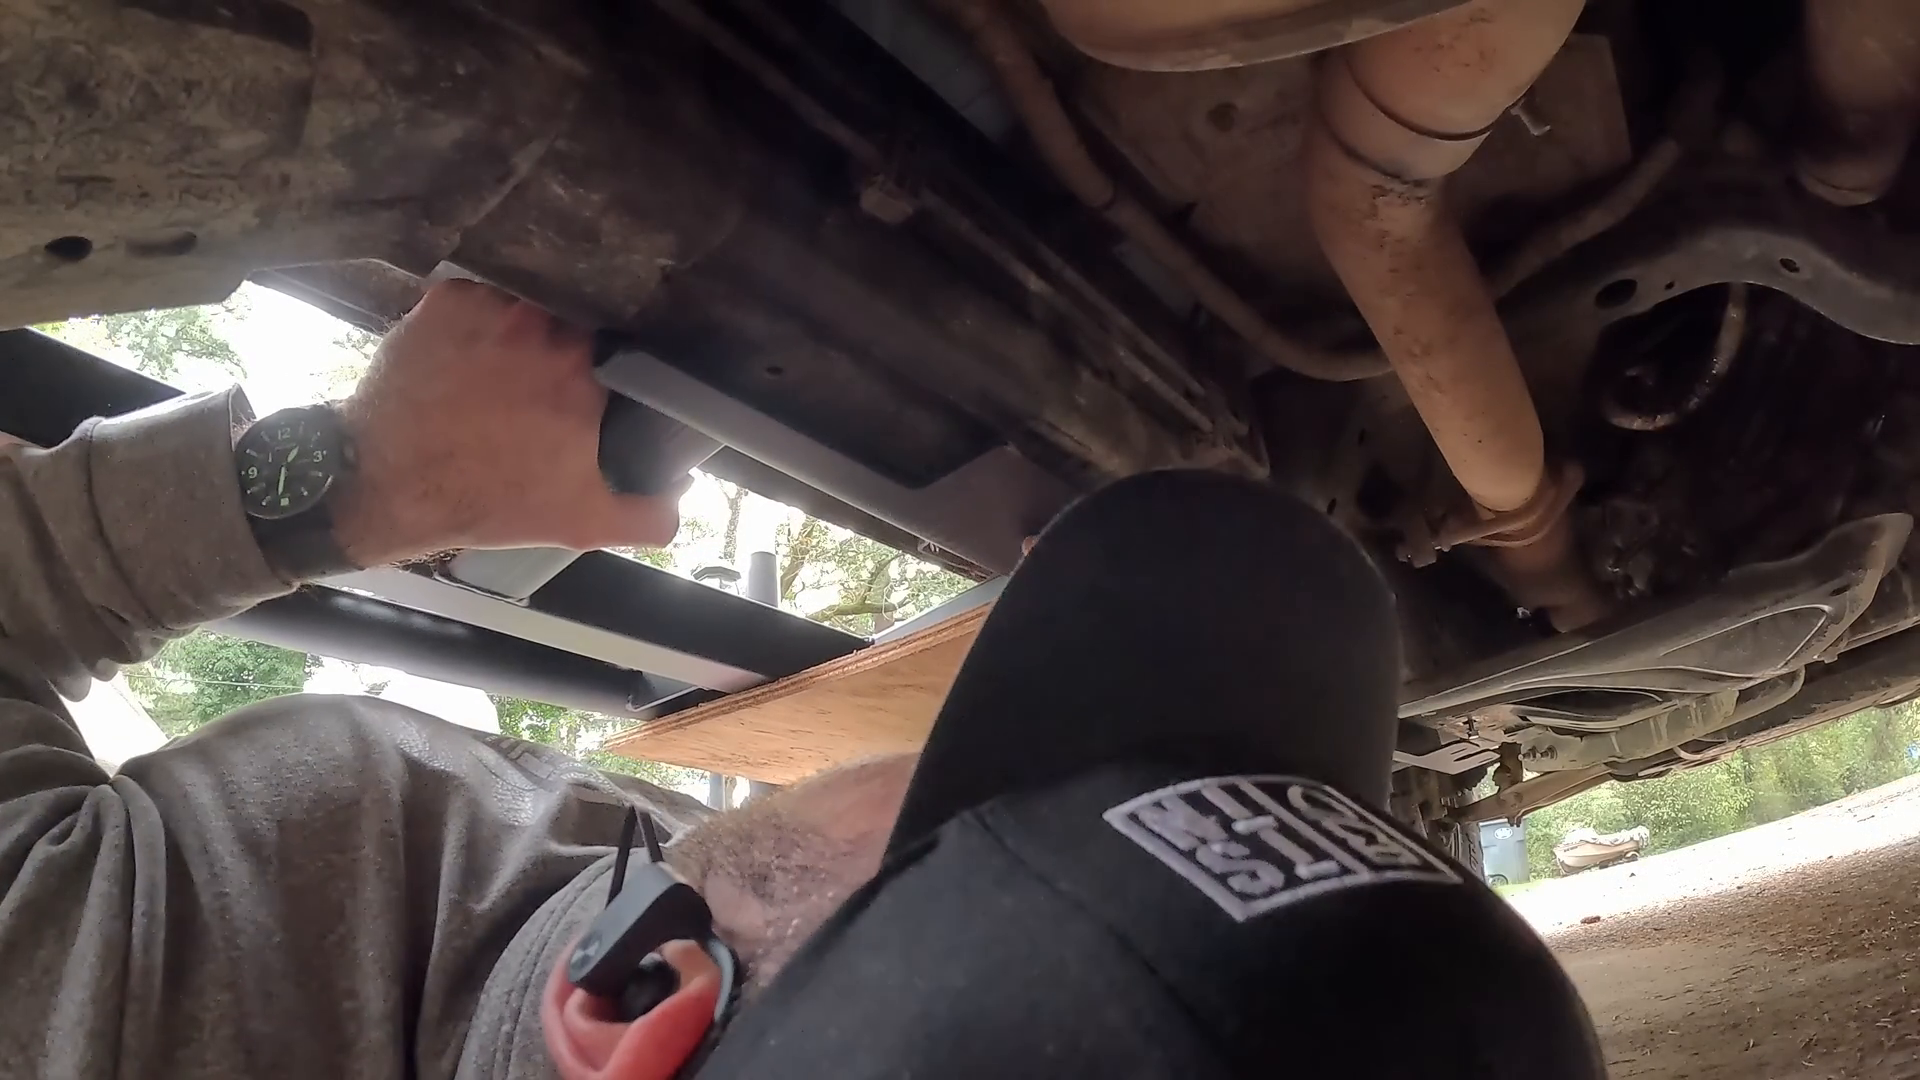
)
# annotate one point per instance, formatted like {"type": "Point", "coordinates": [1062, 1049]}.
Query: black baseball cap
{"type": "Point", "coordinates": [1145, 838]}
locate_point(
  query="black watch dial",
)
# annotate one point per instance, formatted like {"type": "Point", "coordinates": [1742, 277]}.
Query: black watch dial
{"type": "Point", "coordinates": [287, 462]}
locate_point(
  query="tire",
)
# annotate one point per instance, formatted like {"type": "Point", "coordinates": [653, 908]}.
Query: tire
{"type": "Point", "coordinates": [1497, 880]}
{"type": "Point", "coordinates": [1461, 843]}
{"type": "Point", "coordinates": [1420, 799]}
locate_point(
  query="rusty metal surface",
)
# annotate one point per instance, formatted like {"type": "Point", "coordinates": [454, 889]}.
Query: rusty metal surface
{"type": "Point", "coordinates": [1224, 146]}
{"type": "Point", "coordinates": [1058, 143]}
{"type": "Point", "coordinates": [1416, 103]}
{"type": "Point", "coordinates": [1714, 222]}
{"type": "Point", "coordinates": [1731, 223]}
{"type": "Point", "coordinates": [1863, 66]}
{"type": "Point", "coordinates": [873, 283]}
{"type": "Point", "coordinates": [1206, 34]}
{"type": "Point", "coordinates": [626, 172]}
{"type": "Point", "coordinates": [1811, 427]}
{"type": "Point", "coordinates": [1882, 673]}
{"type": "Point", "coordinates": [156, 152]}
{"type": "Point", "coordinates": [1637, 401]}
{"type": "Point", "coordinates": [1414, 280]}
{"type": "Point", "coordinates": [1523, 798]}
{"type": "Point", "coordinates": [1395, 115]}
{"type": "Point", "coordinates": [1378, 213]}
{"type": "Point", "coordinates": [1543, 750]}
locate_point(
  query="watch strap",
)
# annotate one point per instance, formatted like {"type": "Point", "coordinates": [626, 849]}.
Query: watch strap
{"type": "Point", "coordinates": [303, 547]}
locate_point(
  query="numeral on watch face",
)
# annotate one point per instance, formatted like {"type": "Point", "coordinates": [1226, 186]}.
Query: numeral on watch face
{"type": "Point", "coordinates": [286, 466]}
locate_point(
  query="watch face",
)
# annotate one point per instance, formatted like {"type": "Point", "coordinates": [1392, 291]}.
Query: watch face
{"type": "Point", "coordinates": [287, 462]}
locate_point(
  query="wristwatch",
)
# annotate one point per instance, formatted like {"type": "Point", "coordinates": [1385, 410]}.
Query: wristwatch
{"type": "Point", "coordinates": [288, 463]}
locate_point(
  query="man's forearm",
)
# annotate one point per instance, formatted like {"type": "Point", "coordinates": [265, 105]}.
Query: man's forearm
{"type": "Point", "coordinates": [128, 533]}
{"type": "Point", "coordinates": [478, 426]}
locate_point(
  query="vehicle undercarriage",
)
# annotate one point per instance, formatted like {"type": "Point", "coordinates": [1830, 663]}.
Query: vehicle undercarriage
{"type": "Point", "coordinates": [1590, 320]}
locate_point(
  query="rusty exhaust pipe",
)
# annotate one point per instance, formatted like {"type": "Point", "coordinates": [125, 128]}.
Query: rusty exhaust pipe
{"type": "Point", "coordinates": [1060, 146]}
{"type": "Point", "coordinates": [1863, 61]}
{"type": "Point", "coordinates": [1396, 114]}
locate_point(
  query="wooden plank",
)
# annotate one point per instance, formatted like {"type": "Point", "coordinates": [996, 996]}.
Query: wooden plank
{"type": "Point", "coordinates": [880, 700]}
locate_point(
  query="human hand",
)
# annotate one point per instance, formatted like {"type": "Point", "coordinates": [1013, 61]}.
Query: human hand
{"type": "Point", "coordinates": [478, 426]}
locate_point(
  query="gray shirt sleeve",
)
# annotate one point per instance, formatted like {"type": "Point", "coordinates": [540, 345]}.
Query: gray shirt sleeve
{"type": "Point", "coordinates": [98, 565]}
{"type": "Point", "coordinates": [127, 533]}
{"type": "Point", "coordinates": [313, 887]}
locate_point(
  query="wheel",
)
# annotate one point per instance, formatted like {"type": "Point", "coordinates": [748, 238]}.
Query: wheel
{"type": "Point", "coordinates": [1421, 799]}
{"type": "Point", "coordinates": [1461, 843]}
{"type": "Point", "coordinates": [1497, 880]}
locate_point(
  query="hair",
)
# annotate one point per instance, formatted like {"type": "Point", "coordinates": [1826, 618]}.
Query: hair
{"type": "Point", "coordinates": [774, 870]}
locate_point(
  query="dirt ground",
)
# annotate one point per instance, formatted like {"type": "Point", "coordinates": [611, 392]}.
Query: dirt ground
{"type": "Point", "coordinates": [1784, 951]}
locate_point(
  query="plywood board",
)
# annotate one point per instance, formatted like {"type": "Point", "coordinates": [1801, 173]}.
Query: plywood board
{"type": "Point", "coordinates": [880, 700]}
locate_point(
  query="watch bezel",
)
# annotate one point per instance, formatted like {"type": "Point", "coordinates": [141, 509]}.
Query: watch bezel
{"type": "Point", "coordinates": [330, 438]}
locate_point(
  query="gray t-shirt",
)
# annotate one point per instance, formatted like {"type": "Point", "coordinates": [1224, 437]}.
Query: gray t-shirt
{"type": "Point", "coordinates": [312, 887]}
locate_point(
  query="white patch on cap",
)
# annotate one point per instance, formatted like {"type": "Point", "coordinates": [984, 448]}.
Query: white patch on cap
{"type": "Point", "coordinates": [1256, 843]}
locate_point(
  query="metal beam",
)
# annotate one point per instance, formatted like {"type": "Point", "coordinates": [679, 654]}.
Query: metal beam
{"type": "Point", "coordinates": [364, 630]}
{"type": "Point", "coordinates": [513, 574]}
{"type": "Point", "coordinates": [48, 387]}
{"type": "Point", "coordinates": [646, 604]}
{"type": "Point", "coordinates": [1531, 794]}
{"type": "Point", "coordinates": [419, 592]}
{"type": "Point", "coordinates": [671, 635]}
{"type": "Point", "coordinates": [768, 482]}
{"type": "Point", "coordinates": [980, 511]}
{"type": "Point", "coordinates": [632, 616]}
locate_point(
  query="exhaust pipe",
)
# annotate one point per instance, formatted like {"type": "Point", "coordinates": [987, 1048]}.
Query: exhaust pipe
{"type": "Point", "coordinates": [1061, 147]}
{"type": "Point", "coordinates": [1396, 114]}
{"type": "Point", "coordinates": [1863, 60]}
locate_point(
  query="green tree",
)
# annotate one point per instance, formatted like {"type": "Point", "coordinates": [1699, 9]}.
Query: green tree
{"type": "Point", "coordinates": [362, 343]}
{"type": "Point", "coordinates": [203, 676]}
{"type": "Point", "coordinates": [1751, 787]}
{"type": "Point", "coordinates": [581, 734]}
{"type": "Point", "coordinates": [736, 497]}
{"type": "Point", "coordinates": [158, 341]}
{"type": "Point", "coordinates": [356, 348]}
{"type": "Point", "coordinates": [1688, 807]}
{"type": "Point", "coordinates": [1826, 763]}
{"type": "Point", "coordinates": [870, 586]}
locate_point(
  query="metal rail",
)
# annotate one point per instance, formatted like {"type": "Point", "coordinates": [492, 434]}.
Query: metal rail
{"type": "Point", "coordinates": [606, 633]}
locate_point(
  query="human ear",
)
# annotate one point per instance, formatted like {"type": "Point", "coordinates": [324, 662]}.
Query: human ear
{"type": "Point", "coordinates": [588, 1040]}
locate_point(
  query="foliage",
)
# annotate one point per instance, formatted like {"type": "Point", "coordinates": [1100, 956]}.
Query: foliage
{"type": "Point", "coordinates": [356, 348]}
{"type": "Point", "coordinates": [204, 675]}
{"type": "Point", "coordinates": [826, 572]}
{"type": "Point", "coordinates": [872, 585]}
{"type": "Point", "coordinates": [1750, 787]}
{"type": "Point", "coordinates": [361, 343]}
{"type": "Point", "coordinates": [158, 341]}
{"type": "Point", "coordinates": [694, 532]}
{"type": "Point", "coordinates": [859, 585]}
{"type": "Point", "coordinates": [581, 735]}
{"type": "Point", "coordinates": [736, 497]}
